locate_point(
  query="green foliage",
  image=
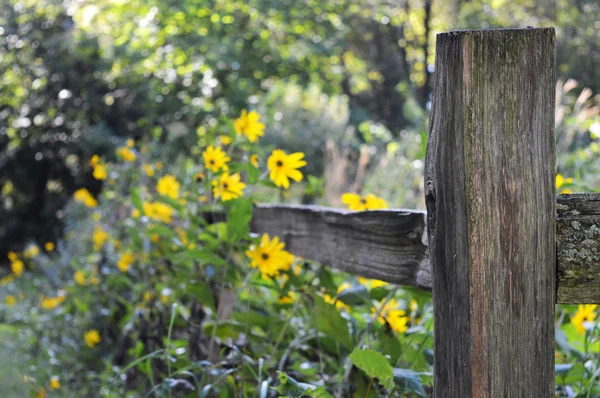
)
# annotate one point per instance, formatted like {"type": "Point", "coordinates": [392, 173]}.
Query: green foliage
{"type": "Point", "coordinates": [375, 365]}
{"type": "Point", "coordinates": [330, 322]}
{"type": "Point", "coordinates": [291, 388]}
{"type": "Point", "coordinates": [180, 296]}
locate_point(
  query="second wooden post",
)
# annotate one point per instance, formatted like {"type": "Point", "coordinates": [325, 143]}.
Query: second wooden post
{"type": "Point", "coordinates": [491, 213]}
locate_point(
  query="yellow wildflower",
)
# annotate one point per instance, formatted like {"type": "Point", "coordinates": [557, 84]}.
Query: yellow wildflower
{"type": "Point", "coordinates": [31, 252]}
{"type": "Point", "coordinates": [283, 166]}
{"type": "Point", "coordinates": [158, 211]}
{"type": "Point", "coordinates": [54, 383]}
{"type": "Point", "coordinates": [135, 213]}
{"type": "Point", "coordinates": [158, 165]}
{"type": "Point", "coordinates": [340, 305]}
{"type": "Point", "coordinates": [373, 283]}
{"type": "Point", "coordinates": [92, 337]}
{"type": "Point", "coordinates": [199, 177]}
{"type": "Point", "coordinates": [10, 300]}
{"type": "Point", "coordinates": [147, 296]}
{"type": "Point", "coordinates": [560, 181]}
{"type": "Point", "coordinates": [49, 246]}
{"type": "Point", "coordinates": [7, 279]}
{"type": "Point", "coordinates": [390, 305]}
{"type": "Point", "coordinates": [297, 270]}
{"type": "Point", "coordinates": [165, 296]}
{"type": "Point", "coordinates": [343, 286]}
{"type": "Point", "coordinates": [398, 321]}
{"type": "Point", "coordinates": [215, 159]}
{"type": "Point", "coordinates": [94, 160]}
{"type": "Point", "coordinates": [254, 160]}
{"type": "Point", "coordinates": [390, 314]}
{"type": "Point", "coordinates": [126, 154]}
{"type": "Point", "coordinates": [99, 237]}
{"type": "Point", "coordinates": [287, 299]}
{"type": "Point", "coordinates": [289, 261]}
{"type": "Point", "coordinates": [228, 187]}
{"type": "Point", "coordinates": [247, 124]}
{"type": "Point", "coordinates": [100, 172]}
{"type": "Point", "coordinates": [125, 261]}
{"type": "Point", "coordinates": [585, 313]}
{"type": "Point", "coordinates": [369, 202]}
{"type": "Point", "coordinates": [148, 170]}
{"type": "Point", "coordinates": [154, 238]}
{"type": "Point", "coordinates": [203, 198]}
{"type": "Point", "coordinates": [50, 303]}
{"type": "Point", "coordinates": [12, 256]}
{"type": "Point", "coordinates": [168, 186]}
{"type": "Point", "coordinates": [17, 267]}
{"type": "Point", "coordinates": [412, 305]}
{"type": "Point", "coordinates": [269, 257]}
{"type": "Point", "coordinates": [182, 235]}
{"type": "Point", "coordinates": [41, 393]}
{"type": "Point", "coordinates": [84, 196]}
{"type": "Point", "coordinates": [225, 139]}
{"type": "Point", "coordinates": [129, 143]}
{"type": "Point", "coordinates": [79, 278]}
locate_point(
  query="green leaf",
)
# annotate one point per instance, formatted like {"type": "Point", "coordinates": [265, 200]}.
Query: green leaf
{"type": "Point", "coordinates": [362, 386]}
{"type": "Point", "coordinates": [202, 293]}
{"type": "Point", "coordinates": [379, 293]}
{"type": "Point", "coordinates": [574, 375]}
{"type": "Point", "coordinates": [356, 294]}
{"type": "Point", "coordinates": [208, 257]}
{"type": "Point", "coordinates": [326, 279]}
{"type": "Point", "coordinates": [292, 388]}
{"type": "Point", "coordinates": [238, 219]}
{"type": "Point", "coordinates": [390, 345]}
{"type": "Point", "coordinates": [319, 392]}
{"type": "Point", "coordinates": [375, 365]}
{"type": "Point", "coordinates": [409, 381]}
{"type": "Point", "coordinates": [329, 321]}
{"type": "Point", "coordinates": [253, 174]}
{"type": "Point", "coordinates": [136, 200]}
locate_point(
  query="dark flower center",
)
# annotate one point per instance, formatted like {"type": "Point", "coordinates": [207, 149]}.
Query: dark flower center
{"type": "Point", "coordinates": [279, 163]}
{"type": "Point", "coordinates": [225, 186]}
{"type": "Point", "coordinates": [265, 256]}
{"type": "Point", "coordinates": [212, 161]}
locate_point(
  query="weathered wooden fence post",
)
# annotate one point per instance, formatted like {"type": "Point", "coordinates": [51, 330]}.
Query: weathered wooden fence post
{"type": "Point", "coordinates": [491, 213]}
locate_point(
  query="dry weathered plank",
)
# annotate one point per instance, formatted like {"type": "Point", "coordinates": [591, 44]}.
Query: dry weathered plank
{"type": "Point", "coordinates": [385, 244]}
{"type": "Point", "coordinates": [491, 213]}
{"type": "Point", "coordinates": [578, 248]}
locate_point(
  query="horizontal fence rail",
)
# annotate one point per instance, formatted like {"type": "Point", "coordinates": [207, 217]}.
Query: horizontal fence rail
{"type": "Point", "coordinates": [578, 248]}
{"type": "Point", "coordinates": [391, 245]}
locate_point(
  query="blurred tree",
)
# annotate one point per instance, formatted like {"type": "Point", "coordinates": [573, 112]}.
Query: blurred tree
{"type": "Point", "coordinates": [53, 116]}
{"type": "Point", "coordinates": [80, 77]}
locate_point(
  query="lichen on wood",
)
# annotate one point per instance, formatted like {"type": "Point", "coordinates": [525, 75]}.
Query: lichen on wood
{"type": "Point", "coordinates": [578, 248]}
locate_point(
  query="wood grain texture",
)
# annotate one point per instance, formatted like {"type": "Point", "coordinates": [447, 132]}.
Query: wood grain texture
{"type": "Point", "coordinates": [578, 248]}
{"type": "Point", "coordinates": [389, 245]}
{"type": "Point", "coordinates": [399, 257]}
{"type": "Point", "coordinates": [491, 213]}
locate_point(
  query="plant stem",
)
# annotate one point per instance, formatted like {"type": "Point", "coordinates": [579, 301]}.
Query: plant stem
{"type": "Point", "coordinates": [369, 388]}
